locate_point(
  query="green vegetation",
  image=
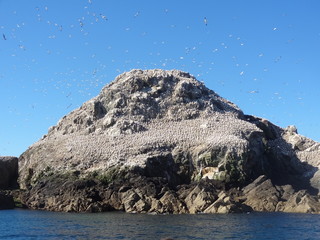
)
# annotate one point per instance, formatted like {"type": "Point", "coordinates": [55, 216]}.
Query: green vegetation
{"type": "Point", "coordinates": [18, 203]}
{"type": "Point", "coordinates": [209, 159]}
{"type": "Point", "coordinates": [113, 174]}
{"type": "Point", "coordinates": [48, 171]}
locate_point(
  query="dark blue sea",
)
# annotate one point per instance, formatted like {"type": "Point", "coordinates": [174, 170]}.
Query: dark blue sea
{"type": "Point", "coordinates": [27, 224]}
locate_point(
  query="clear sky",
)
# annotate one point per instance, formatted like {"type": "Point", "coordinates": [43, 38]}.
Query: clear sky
{"type": "Point", "coordinates": [263, 55]}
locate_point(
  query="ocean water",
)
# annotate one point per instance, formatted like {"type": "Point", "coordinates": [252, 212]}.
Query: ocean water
{"type": "Point", "coordinates": [27, 224]}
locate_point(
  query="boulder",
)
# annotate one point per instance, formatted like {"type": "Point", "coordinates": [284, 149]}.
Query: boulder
{"type": "Point", "coordinates": [227, 203]}
{"type": "Point", "coordinates": [261, 195]}
{"type": "Point", "coordinates": [199, 199]}
{"type": "Point", "coordinates": [170, 203]}
{"type": "Point", "coordinates": [301, 202]}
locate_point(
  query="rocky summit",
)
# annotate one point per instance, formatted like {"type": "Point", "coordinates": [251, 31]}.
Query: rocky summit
{"type": "Point", "coordinates": [161, 142]}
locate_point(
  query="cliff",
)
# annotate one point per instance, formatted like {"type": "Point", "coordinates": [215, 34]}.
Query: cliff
{"type": "Point", "coordinates": [161, 141]}
{"type": "Point", "coordinates": [8, 181]}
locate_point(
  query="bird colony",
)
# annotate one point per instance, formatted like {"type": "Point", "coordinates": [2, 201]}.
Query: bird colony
{"type": "Point", "coordinates": [138, 115]}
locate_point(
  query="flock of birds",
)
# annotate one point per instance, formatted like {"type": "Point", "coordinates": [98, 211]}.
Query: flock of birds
{"type": "Point", "coordinates": [75, 84]}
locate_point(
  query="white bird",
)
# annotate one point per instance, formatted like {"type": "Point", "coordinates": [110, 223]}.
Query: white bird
{"type": "Point", "coordinates": [104, 17]}
{"type": "Point", "coordinates": [136, 14]}
{"type": "Point", "coordinates": [205, 20]}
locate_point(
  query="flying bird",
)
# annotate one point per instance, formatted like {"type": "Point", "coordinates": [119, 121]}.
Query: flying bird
{"type": "Point", "coordinates": [4, 37]}
{"type": "Point", "coordinates": [104, 17]}
{"type": "Point", "coordinates": [277, 59]}
{"type": "Point", "coordinates": [205, 20]}
{"type": "Point", "coordinates": [136, 14]}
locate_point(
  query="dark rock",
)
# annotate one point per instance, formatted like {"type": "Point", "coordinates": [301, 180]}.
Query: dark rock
{"type": "Point", "coordinates": [6, 201]}
{"type": "Point", "coordinates": [8, 172]}
{"type": "Point", "coordinates": [62, 193]}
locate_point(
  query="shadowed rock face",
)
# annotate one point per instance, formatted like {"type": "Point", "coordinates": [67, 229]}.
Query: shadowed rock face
{"type": "Point", "coordinates": [6, 201]}
{"type": "Point", "coordinates": [168, 128]}
{"type": "Point", "coordinates": [8, 180]}
{"type": "Point", "coordinates": [8, 172]}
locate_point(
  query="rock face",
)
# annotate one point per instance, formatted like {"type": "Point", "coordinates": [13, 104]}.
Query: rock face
{"type": "Point", "coordinates": [160, 141]}
{"type": "Point", "coordinates": [8, 172]}
{"type": "Point", "coordinates": [8, 181]}
{"type": "Point", "coordinates": [6, 201]}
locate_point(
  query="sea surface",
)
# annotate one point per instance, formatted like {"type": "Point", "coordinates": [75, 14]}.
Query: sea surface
{"type": "Point", "coordinates": [27, 224]}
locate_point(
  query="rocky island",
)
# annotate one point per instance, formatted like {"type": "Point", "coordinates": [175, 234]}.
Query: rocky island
{"type": "Point", "coordinates": [156, 141]}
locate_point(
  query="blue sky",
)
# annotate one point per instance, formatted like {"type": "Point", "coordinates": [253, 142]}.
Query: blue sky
{"type": "Point", "coordinates": [262, 55]}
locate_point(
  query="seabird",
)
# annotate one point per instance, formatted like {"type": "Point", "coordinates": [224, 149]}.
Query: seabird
{"type": "Point", "coordinates": [104, 17]}
{"type": "Point", "coordinates": [4, 36]}
{"type": "Point", "coordinates": [136, 14]}
{"type": "Point", "coordinates": [205, 20]}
